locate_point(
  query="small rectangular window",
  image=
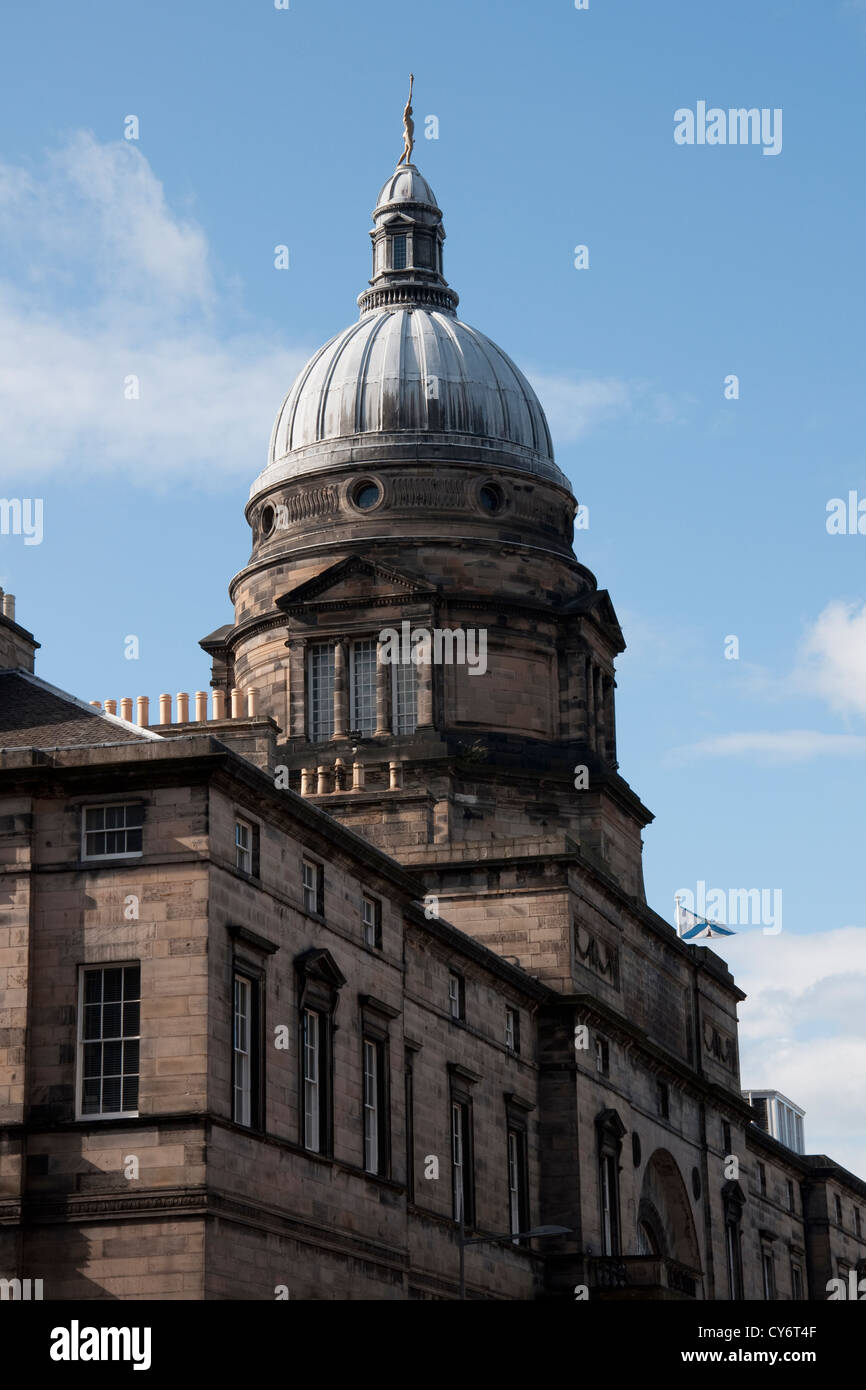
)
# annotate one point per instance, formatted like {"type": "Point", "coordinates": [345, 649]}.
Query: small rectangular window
{"type": "Point", "coordinates": [456, 995]}
{"type": "Point", "coordinates": [769, 1274]}
{"type": "Point", "coordinates": [109, 1035]}
{"type": "Point", "coordinates": [247, 848]}
{"type": "Point", "coordinates": [512, 1030]}
{"type": "Point", "coordinates": [857, 1229]}
{"type": "Point", "coordinates": [663, 1100]}
{"type": "Point", "coordinates": [313, 878]}
{"type": "Point", "coordinates": [371, 922]}
{"type": "Point", "coordinates": [762, 1179]}
{"type": "Point", "coordinates": [113, 831]}
{"type": "Point", "coordinates": [399, 253]}
{"type": "Point", "coordinates": [790, 1195]}
{"type": "Point", "coordinates": [838, 1203]}
{"type": "Point", "coordinates": [602, 1056]}
{"type": "Point", "coordinates": [796, 1282]}
{"type": "Point", "coordinates": [726, 1137]}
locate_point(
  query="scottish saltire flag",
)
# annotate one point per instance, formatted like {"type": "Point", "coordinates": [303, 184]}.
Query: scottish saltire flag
{"type": "Point", "coordinates": [691, 927]}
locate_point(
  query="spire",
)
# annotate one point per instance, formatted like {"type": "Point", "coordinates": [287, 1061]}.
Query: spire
{"type": "Point", "coordinates": [407, 238]}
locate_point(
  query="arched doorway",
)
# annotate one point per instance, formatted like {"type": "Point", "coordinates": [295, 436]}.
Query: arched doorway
{"type": "Point", "coordinates": [665, 1225]}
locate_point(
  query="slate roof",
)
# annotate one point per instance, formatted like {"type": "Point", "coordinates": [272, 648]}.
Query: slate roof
{"type": "Point", "coordinates": [34, 714]}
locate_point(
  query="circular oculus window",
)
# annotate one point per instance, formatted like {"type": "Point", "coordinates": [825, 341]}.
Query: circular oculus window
{"type": "Point", "coordinates": [366, 494]}
{"type": "Point", "coordinates": [491, 497]}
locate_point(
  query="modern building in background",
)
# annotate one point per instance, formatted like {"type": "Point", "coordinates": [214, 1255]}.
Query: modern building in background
{"type": "Point", "coordinates": [296, 997]}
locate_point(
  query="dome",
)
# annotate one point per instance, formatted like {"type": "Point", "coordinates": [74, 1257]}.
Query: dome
{"type": "Point", "coordinates": [409, 379]}
{"type": "Point", "coordinates": [406, 185]}
{"type": "Point", "coordinates": [417, 371]}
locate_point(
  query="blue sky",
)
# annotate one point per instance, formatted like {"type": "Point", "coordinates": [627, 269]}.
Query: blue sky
{"type": "Point", "coordinates": [260, 127]}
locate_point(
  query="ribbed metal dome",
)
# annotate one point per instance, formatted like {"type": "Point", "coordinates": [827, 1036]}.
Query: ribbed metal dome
{"type": "Point", "coordinates": [411, 369]}
{"type": "Point", "coordinates": [406, 185]}
{"type": "Point", "coordinates": [409, 378]}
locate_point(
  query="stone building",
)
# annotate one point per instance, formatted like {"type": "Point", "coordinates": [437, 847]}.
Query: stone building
{"type": "Point", "coordinates": [286, 990]}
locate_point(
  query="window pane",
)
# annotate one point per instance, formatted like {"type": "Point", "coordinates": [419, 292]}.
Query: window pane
{"type": "Point", "coordinates": [399, 261]}
{"type": "Point", "coordinates": [321, 691]}
{"type": "Point", "coordinates": [110, 1068]}
{"type": "Point", "coordinates": [363, 713]}
{"type": "Point", "coordinates": [405, 696]}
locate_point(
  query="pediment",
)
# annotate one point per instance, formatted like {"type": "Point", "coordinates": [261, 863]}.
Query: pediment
{"type": "Point", "coordinates": [598, 607]}
{"type": "Point", "coordinates": [354, 582]}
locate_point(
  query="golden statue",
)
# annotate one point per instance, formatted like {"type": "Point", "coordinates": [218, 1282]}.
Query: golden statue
{"type": "Point", "coordinates": [408, 127]}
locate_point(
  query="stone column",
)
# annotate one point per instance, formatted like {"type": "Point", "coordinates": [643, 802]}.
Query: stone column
{"type": "Point", "coordinates": [296, 696]}
{"type": "Point", "coordinates": [611, 721]}
{"type": "Point", "coordinates": [424, 694]}
{"type": "Point", "coordinates": [383, 692]}
{"type": "Point", "coordinates": [589, 683]}
{"type": "Point", "coordinates": [600, 737]}
{"type": "Point", "coordinates": [341, 692]}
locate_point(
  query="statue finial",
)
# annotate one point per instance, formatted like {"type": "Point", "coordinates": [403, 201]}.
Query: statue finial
{"type": "Point", "coordinates": [408, 127]}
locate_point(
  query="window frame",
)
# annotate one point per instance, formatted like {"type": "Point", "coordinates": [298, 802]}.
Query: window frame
{"type": "Point", "coordinates": [454, 976]}
{"type": "Point", "coordinates": [602, 1055]}
{"type": "Point", "coordinates": [375, 925]}
{"type": "Point", "coordinates": [314, 726]}
{"type": "Point", "coordinates": [396, 667]}
{"type": "Point", "coordinates": [663, 1099]}
{"type": "Point", "coordinates": [402, 238]}
{"type": "Point", "coordinates": [322, 1081]}
{"type": "Point", "coordinates": [253, 850]}
{"type": "Point", "coordinates": [98, 1115]}
{"type": "Point", "coordinates": [354, 645]}
{"type": "Point", "coordinates": [110, 806]}
{"type": "Point", "coordinates": [318, 889]}
{"type": "Point", "coordinates": [376, 1045]}
{"type": "Point", "coordinates": [253, 978]}
{"type": "Point", "coordinates": [734, 1258]}
{"type": "Point", "coordinates": [768, 1274]}
{"type": "Point", "coordinates": [517, 1155]}
{"type": "Point", "coordinates": [460, 1108]}
{"type": "Point", "coordinates": [512, 1030]}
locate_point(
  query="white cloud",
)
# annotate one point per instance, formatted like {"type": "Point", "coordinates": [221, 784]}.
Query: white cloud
{"type": "Point", "coordinates": [782, 746]}
{"type": "Point", "coordinates": [574, 406]}
{"type": "Point", "coordinates": [803, 1029]}
{"type": "Point", "coordinates": [102, 282]}
{"type": "Point", "coordinates": [832, 660]}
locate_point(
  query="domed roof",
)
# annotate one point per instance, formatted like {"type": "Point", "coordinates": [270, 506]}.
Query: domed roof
{"type": "Point", "coordinates": [416, 370]}
{"type": "Point", "coordinates": [406, 185]}
{"type": "Point", "coordinates": [409, 378]}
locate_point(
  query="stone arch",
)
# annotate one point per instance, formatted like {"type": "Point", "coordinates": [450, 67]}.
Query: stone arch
{"type": "Point", "coordinates": [666, 1211]}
